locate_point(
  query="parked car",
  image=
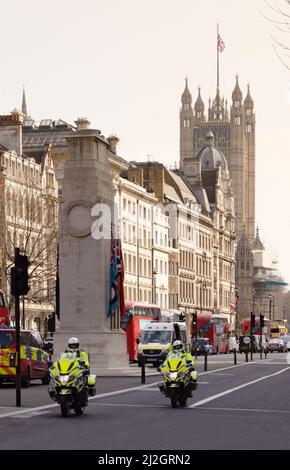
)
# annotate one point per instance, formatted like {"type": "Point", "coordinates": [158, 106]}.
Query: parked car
{"type": "Point", "coordinates": [200, 346]}
{"type": "Point", "coordinates": [285, 339]}
{"type": "Point", "coordinates": [276, 344]}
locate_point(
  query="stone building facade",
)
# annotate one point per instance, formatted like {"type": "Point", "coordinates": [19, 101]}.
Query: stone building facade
{"type": "Point", "coordinates": [28, 220]}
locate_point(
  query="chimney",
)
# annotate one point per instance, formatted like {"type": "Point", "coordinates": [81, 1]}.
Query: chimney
{"type": "Point", "coordinates": [113, 141]}
{"type": "Point", "coordinates": [11, 131]}
{"type": "Point", "coordinates": [82, 123]}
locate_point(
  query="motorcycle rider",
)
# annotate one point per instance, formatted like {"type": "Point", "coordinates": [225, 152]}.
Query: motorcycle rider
{"type": "Point", "coordinates": [74, 347]}
{"type": "Point", "coordinates": [177, 347]}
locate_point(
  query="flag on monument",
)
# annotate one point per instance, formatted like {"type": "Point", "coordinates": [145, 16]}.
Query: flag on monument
{"type": "Point", "coordinates": [121, 276]}
{"type": "Point", "coordinates": [114, 297]}
{"type": "Point", "coordinates": [220, 44]}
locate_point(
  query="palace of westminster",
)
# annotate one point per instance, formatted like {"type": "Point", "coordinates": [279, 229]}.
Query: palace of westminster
{"type": "Point", "coordinates": [206, 255]}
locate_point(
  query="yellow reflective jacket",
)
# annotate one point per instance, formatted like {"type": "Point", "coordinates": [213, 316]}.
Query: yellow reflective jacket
{"type": "Point", "coordinates": [81, 356]}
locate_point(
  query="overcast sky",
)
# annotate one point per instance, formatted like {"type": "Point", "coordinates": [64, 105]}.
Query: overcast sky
{"type": "Point", "coordinates": [122, 64]}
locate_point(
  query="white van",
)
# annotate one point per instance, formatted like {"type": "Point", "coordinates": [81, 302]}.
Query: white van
{"type": "Point", "coordinates": [155, 339]}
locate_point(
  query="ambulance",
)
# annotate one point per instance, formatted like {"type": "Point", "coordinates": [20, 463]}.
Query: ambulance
{"type": "Point", "coordinates": [155, 339]}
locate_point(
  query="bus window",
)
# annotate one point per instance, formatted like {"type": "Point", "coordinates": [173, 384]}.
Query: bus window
{"type": "Point", "coordinates": [6, 339]}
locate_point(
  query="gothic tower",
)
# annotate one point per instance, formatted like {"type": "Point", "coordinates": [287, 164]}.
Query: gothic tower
{"type": "Point", "coordinates": [186, 123]}
{"type": "Point", "coordinates": [234, 136]}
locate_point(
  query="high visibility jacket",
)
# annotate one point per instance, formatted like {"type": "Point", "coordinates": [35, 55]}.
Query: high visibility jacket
{"type": "Point", "coordinates": [81, 356]}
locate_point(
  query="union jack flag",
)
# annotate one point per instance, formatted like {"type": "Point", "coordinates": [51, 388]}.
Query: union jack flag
{"type": "Point", "coordinates": [233, 305]}
{"type": "Point", "coordinates": [117, 300]}
{"type": "Point", "coordinates": [220, 44]}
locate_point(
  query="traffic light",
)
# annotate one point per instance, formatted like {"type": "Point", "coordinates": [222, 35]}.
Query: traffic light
{"type": "Point", "coordinates": [20, 277]}
{"type": "Point", "coordinates": [51, 323]}
{"type": "Point", "coordinates": [253, 320]}
{"type": "Point", "coordinates": [194, 319]}
{"type": "Point", "coordinates": [262, 321]}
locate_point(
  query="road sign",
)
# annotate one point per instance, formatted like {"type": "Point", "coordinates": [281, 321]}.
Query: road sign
{"type": "Point", "coordinates": [247, 340]}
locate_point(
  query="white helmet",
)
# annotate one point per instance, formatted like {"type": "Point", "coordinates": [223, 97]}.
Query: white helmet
{"type": "Point", "coordinates": [73, 344]}
{"type": "Point", "coordinates": [177, 346]}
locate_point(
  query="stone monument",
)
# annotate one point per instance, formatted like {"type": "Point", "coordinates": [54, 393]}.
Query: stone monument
{"type": "Point", "coordinates": [84, 261]}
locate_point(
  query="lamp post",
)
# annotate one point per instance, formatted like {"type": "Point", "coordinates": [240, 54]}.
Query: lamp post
{"type": "Point", "coordinates": [154, 274]}
{"type": "Point", "coordinates": [271, 307]}
{"type": "Point", "coordinates": [237, 310]}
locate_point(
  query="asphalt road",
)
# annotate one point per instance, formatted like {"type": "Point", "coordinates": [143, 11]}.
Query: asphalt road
{"type": "Point", "coordinates": [235, 407]}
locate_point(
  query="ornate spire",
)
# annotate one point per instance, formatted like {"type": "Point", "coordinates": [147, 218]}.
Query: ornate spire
{"type": "Point", "coordinates": [237, 94]}
{"type": "Point", "coordinates": [249, 100]}
{"type": "Point", "coordinates": [258, 245]}
{"type": "Point", "coordinates": [186, 95]}
{"type": "Point", "coordinates": [199, 107]}
{"type": "Point", "coordinates": [24, 106]}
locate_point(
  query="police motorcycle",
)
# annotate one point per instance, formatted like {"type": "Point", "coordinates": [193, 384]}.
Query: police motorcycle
{"type": "Point", "coordinates": [71, 384]}
{"type": "Point", "coordinates": [179, 379]}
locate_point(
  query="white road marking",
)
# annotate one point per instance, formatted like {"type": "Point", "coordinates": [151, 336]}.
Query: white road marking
{"type": "Point", "coordinates": [116, 392]}
{"type": "Point", "coordinates": [243, 409]}
{"type": "Point", "coordinates": [239, 387]}
{"type": "Point", "coordinates": [31, 414]}
{"type": "Point", "coordinates": [130, 405]}
{"type": "Point", "coordinates": [217, 373]}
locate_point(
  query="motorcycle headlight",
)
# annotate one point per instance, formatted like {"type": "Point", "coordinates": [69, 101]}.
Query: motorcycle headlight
{"type": "Point", "coordinates": [173, 375]}
{"type": "Point", "coordinates": [63, 379]}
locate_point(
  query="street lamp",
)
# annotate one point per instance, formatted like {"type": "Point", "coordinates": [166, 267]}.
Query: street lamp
{"type": "Point", "coordinates": [237, 309]}
{"type": "Point", "coordinates": [271, 307]}
{"type": "Point", "coordinates": [154, 274]}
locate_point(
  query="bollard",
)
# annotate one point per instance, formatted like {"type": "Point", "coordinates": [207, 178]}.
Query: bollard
{"type": "Point", "coordinates": [205, 360]}
{"type": "Point", "coordinates": [235, 356]}
{"type": "Point", "coordinates": [261, 353]}
{"type": "Point", "coordinates": [247, 356]}
{"type": "Point", "coordinates": [143, 377]}
{"type": "Point", "coordinates": [266, 352]}
{"type": "Point", "coordinates": [251, 355]}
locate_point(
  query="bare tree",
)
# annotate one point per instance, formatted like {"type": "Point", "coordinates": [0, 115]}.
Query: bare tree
{"type": "Point", "coordinates": [278, 14]}
{"type": "Point", "coordinates": [31, 224]}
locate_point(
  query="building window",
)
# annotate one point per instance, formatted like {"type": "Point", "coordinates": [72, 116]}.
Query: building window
{"type": "Point", "coordinates": [248, 128]}
{"type": "Point", "coordinates": [237, 120]}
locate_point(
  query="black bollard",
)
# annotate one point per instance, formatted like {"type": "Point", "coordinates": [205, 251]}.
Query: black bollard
{"type": "Point", "coordinates": [247, 356]}
{"type": "Point", "coordinates": [261, 353]}
{"type": "Point", "coordinates": [143, 377]}
{"type": "Point", "coordinates": [235, 356]}
{"type": "Point", "coordinates": [205, 360]}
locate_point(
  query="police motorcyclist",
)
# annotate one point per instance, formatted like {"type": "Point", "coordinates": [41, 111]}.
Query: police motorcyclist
{"type": "Point", "coordinates": [82, 357]}
{"type": "Point", "coordinates": [177, 347]}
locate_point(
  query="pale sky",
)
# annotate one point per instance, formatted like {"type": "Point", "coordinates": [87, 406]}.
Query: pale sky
{"type": "Point", "coordinates": [122, 64]}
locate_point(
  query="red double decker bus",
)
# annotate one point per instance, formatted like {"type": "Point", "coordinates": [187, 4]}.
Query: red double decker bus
{"type": "Point", "coordinates": [4, 311]}
{"type": "Point", "coordinates": [214, 327]}
{"type": "Point", "coordinates": [136, 316]}
{"type": "Point", "coordinates": [246, 327]}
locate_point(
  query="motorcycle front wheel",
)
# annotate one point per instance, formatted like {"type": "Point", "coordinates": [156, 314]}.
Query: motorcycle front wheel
{"type": "Point", "coordinates": [64, 406]}
{"type": "Point", "coordinates": [174, 400]}
{"type": "Point", "coordinates": [183, 401]}
{"type": "Point", "coordinates": [79, 410]}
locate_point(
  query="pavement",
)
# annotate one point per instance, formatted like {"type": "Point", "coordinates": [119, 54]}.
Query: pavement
{"type": "Point", "coordinates": [246, 406]}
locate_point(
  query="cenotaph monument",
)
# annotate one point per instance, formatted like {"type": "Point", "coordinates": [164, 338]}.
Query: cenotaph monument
{"type": "Point", "coordinates": [84, 261]}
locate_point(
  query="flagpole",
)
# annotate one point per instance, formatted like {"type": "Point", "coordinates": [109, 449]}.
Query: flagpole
{"type": "Point", "coordinates": [218, 73]}
{"type": "Point", "coordinates": [218, 58]}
